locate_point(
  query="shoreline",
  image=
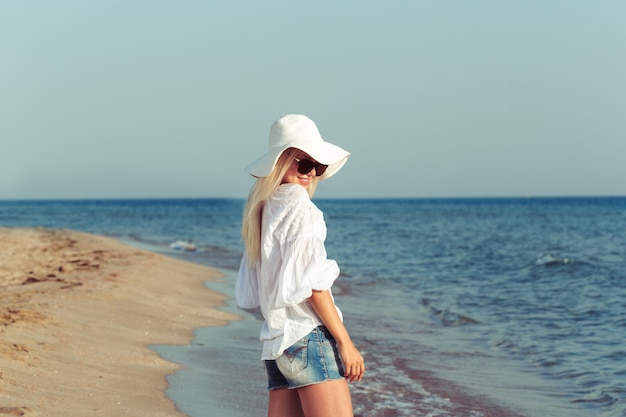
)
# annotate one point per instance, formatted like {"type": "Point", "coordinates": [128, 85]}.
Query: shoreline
{"type": "Point", "coordinates": [78, 314]}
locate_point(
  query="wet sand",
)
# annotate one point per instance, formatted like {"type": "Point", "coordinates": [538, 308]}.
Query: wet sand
{"type": "Point", "coordinates": [77, 314]}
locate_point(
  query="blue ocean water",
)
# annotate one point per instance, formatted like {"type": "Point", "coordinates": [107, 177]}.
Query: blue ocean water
{"type": "Point", "coordinates": [519, 301]}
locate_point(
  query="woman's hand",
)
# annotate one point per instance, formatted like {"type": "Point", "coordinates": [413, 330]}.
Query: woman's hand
{"type": "Point", "coordinates": [323, 304]}
{"type": "Point", "coordinates": [352, 362]}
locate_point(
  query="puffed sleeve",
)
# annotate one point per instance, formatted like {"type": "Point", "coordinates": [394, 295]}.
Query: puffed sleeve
{"type": "Point", "coordinates": [305, 264]}
{"type": "Point", "coordinates": [247, 286]}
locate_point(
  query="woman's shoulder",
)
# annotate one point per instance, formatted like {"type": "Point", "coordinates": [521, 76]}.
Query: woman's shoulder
{"type": "Point", "coordinates": [292, 192]}
{"type": "Point", "coordinates": [292, 197]}
{"type": "Point", "coordinates": [291, 203]}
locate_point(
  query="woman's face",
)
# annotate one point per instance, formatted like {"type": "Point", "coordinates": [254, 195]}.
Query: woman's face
{"type": "Point", "coordinates": [294, 177]}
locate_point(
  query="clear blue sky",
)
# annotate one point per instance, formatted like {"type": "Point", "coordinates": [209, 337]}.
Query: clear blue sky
{"type": "Point", "coordinates": [152, 98]}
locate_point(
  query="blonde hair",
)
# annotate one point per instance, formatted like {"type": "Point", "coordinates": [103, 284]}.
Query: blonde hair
{"type": "Point", "coordinates": [262, 190]}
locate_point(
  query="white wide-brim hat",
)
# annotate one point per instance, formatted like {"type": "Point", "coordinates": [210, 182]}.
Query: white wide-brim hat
{"type": "Point", "coordinates": [298, 131]}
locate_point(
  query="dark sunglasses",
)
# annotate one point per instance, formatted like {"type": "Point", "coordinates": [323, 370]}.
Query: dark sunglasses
{"type": "Point", "coordinates": [306, 165]}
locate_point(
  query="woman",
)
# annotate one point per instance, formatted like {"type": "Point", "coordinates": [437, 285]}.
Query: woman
{"type": "Point", "coordinates": [309, 356]}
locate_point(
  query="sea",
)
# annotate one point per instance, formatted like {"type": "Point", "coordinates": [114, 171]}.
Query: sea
{"type": "Point", "coordinates": [466, 307]}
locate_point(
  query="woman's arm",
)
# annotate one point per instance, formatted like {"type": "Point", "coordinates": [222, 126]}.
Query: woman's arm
{"type": "Point", "coordinates": [323, 304]}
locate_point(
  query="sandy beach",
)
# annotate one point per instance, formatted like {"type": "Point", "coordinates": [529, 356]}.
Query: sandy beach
{"type": "Point", "coordinates": [77, 314]}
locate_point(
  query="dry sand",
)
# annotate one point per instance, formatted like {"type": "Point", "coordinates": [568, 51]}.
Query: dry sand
{"type": "Point", "coordinates": [77, 313]}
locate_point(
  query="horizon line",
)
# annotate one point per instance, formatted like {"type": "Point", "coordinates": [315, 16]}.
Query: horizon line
{"type": "Point", "coordinates": [485, 197]}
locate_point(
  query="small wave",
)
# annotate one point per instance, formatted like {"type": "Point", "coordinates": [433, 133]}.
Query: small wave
{"type": "Point", "coordinates": [571, 374]}
{"type": "Point", "coordinates": [451, 318]}
{"type": "Point", "coordinates": [504, 343]}
{"type": "Point", "coordinates": [550, 260]}
{"type": "Point", "coordinates": [447, 316]}
{"type": "Point", "coordinates": [545, 362]}
{"type": "Point", "coordinates": [184, 245]}
{"type": "Point", "coordinates": [603, 397]}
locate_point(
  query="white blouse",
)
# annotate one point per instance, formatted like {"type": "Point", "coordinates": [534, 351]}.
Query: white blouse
{"type": "Point", "coordinates": [293, 263]}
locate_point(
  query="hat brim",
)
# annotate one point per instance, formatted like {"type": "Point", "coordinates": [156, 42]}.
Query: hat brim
{"type": "Point", "coordinates": [323, 152]}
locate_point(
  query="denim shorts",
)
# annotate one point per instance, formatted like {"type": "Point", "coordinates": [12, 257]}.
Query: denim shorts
{"type": "Point", "coordinates": [311, 360]}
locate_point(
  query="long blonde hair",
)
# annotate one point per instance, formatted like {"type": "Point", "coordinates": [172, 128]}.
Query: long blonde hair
{"type": "Point", "coordinates": [262, 190]}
